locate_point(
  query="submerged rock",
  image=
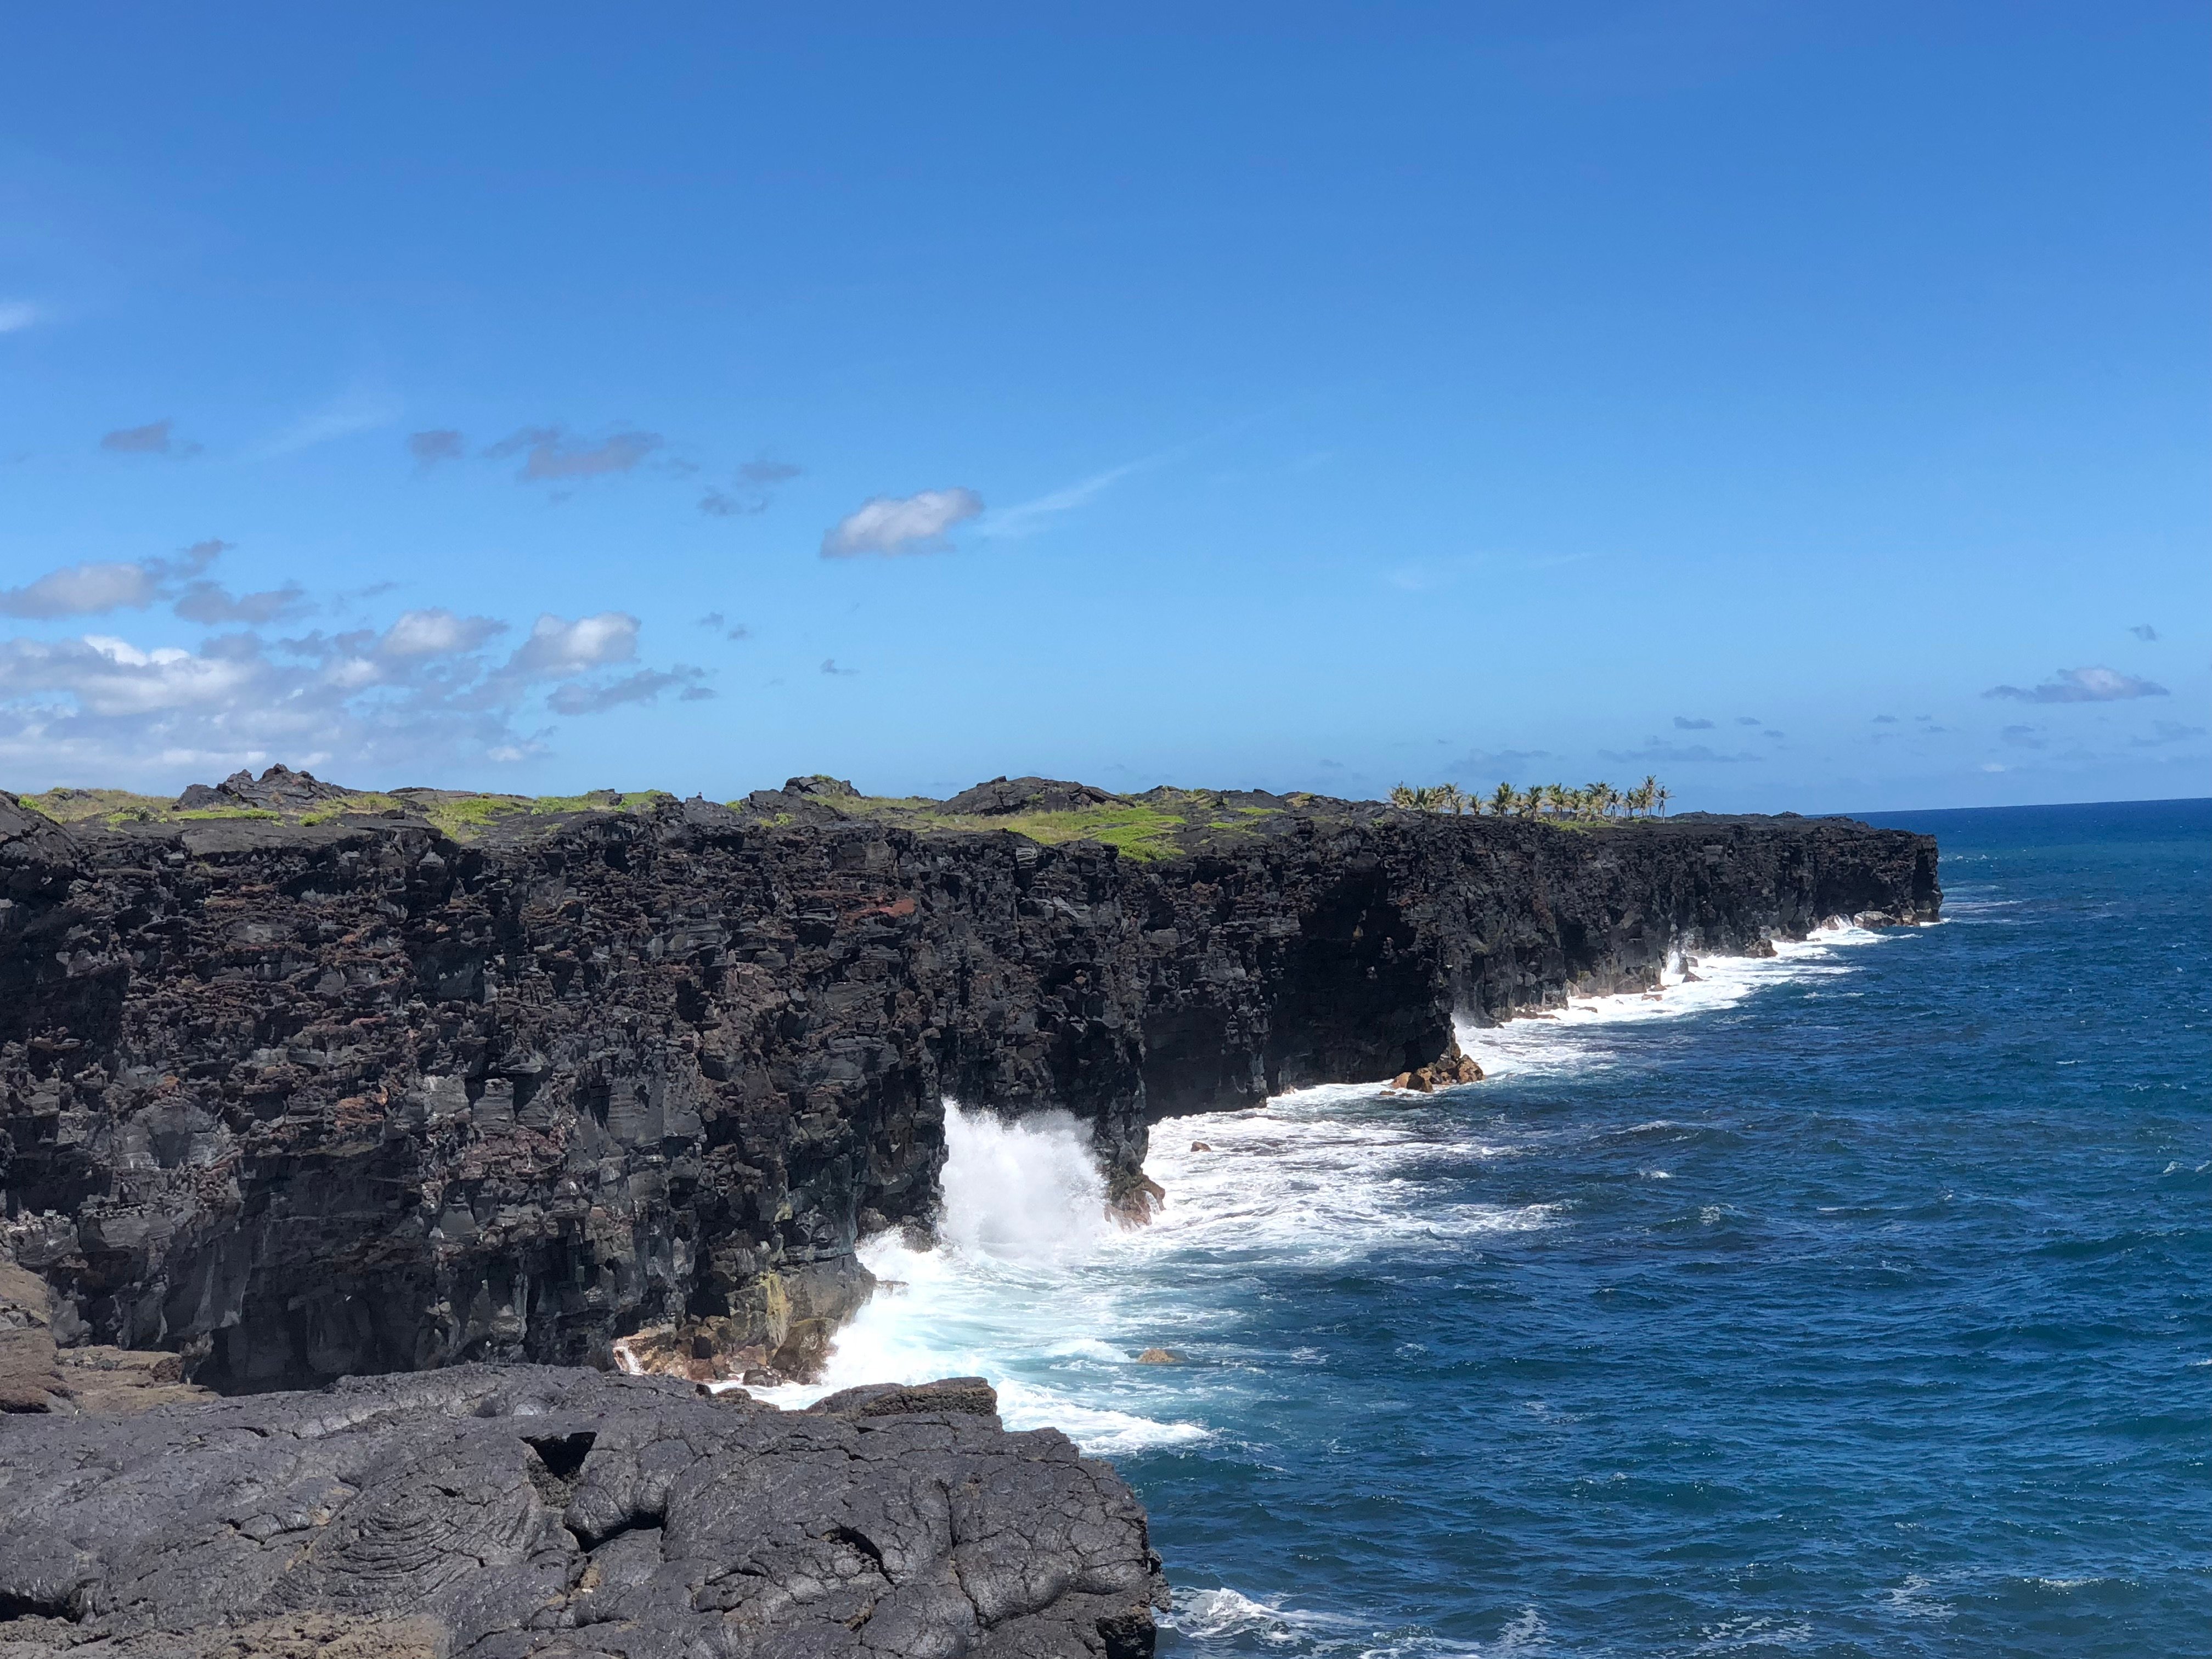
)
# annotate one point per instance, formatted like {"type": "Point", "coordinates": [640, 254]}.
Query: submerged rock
{"type": "Point", "coordinates": [514, 1510]}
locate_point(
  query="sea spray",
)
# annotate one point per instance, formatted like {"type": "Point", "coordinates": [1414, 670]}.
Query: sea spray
{"type": "Point", "coordinates": [1014, 1290]}
{"type": "Point", "coordinates": [1023, 1191]}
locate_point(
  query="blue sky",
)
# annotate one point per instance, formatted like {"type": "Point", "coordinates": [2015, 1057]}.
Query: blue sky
{"type": "Point", "coordinates": [1803, 402]}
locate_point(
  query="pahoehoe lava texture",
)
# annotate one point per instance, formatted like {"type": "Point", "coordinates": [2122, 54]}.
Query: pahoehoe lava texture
{"type": "Point", "coordinates": [498, 1511]}
{"type": "Point", "coordinates": [299, 1098]}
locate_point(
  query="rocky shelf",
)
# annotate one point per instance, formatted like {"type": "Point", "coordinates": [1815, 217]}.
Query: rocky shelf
{"type": "Point", "coordinates": [499, 1511]}
{"type": "Point", "coordinates": [300, 1082]}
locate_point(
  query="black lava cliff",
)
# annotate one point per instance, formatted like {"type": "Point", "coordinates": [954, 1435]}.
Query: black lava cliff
{"type": "Point", "coordinates": [320, 1092]}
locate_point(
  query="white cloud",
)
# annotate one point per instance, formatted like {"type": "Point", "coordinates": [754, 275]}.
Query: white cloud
{"type": "Point", "coordinates": [88, 590]}
{"type": "Point", "coordinates": [17, 314]}
{"type": "Point", "coordinates": [892, 524]}
{"type": "Point", "coordinates": [423, 692]}
{"type": "Point", "coordinates": [557, 648]}
{"type": "Point", "coordinates": [436, 632]}
{"type": "Point", "coordinates": [82, 590]}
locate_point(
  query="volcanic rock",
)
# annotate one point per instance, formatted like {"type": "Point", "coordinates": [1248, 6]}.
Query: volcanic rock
{"type": "Point", "coordinates": [320, 1094]}
{"type": "Point", "coordinates": [505, 1511]}
{"type": "Point", "coordinates": [1003, 797]}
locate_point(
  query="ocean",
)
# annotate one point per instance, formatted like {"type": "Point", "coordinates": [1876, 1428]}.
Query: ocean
{"type": "Point", "coordinates": [1854, 1302]}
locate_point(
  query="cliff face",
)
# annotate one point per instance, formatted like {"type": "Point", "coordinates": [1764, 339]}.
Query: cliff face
{"type": "Point", "coordinates": [302, 1099]}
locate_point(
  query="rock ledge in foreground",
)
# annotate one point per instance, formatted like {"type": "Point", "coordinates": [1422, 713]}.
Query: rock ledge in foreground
{"type": "Point", "coordinates": [498, 1511]}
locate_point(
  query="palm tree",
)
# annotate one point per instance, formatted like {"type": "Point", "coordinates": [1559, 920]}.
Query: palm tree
{"type": "Point", "coordinates": [1662, 794]}
{"type": "Point", "coordinates": [1450, 795]}
{"type": "Point", "coordinates": [1601, 798]}
{"type": "Point", "coordinates": [1503, 800]}
{"type": "Point", "coordinates": [1400, 795]}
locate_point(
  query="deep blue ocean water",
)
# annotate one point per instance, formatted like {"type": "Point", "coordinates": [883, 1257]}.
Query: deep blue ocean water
{"type": "Point", "coordinates": [1855, 1304]}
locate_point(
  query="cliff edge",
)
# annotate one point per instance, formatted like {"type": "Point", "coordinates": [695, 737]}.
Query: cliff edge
{"type": "Point", "coordinates": [300, 1082]}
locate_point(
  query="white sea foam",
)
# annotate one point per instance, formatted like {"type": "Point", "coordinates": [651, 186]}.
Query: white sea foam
{"type": "Point", "coordinates": [1032, 1285]}
{"type": "Point", "coordinates": [1016, 1290]}
{"type": "Point", "coordinates": [1213, 1614]}
{"type": "Point", "coordinates": [1595, 1032]}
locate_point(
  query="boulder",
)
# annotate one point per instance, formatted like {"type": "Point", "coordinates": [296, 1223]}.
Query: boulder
{"type": "Point", "coordinates": [1003, 797]}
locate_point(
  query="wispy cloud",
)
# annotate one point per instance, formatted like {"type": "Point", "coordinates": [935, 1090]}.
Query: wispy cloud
{"type": "Point", "coordinates": [17, 314]}
{"type": "Point", "coordinates": [725, 627]}
{"type": "Point", "coordinates": [830, 667]}
{"type": "Point", "coordinates": [2166, 731]}
{"type": "Point", "coordinates": [551, 455]}
{"type": "Point", "coordinates": [644, 686]}
{"type": "Point", "coordinates": [2025, 737]}
{"type": "Point", "coordinates": [2144, 631]}
{"type": "Point", "coordinates": [2096, 685]}
{"type": "Point", "coordinates": [209, 603]}
{"type": "Point", "coordinates": [1027, 517]}
{"type": "Point", "coordinates": [755, 487]}
{"type": "Point", "coordinates": [895, 525]}
{"type": "Point", "coordinates": [357, 410]}
{"type": "Point", "coordinates": [154, 438]}
{"type": "Point", "coordinates": [430, 449]}
{"type": "Point", "coordinates": [1684, 724]}
{"type": "Point", "coordinates": [1497, 763]}
{"type": "Point", "coordinates": [1674, 754]}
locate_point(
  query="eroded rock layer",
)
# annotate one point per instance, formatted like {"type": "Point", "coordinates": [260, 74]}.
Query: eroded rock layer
{"type": "Point", "coordinates": [301, 1097]}
{"type": "Point", "coordinates": [503, 1511]}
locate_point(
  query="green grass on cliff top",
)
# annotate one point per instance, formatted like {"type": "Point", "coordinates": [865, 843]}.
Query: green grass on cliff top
{"type": "Point", "coordinates": [462, 816]}
{"type": "Point", "coordinates": [1160, 826]}
{"type": "Point", "coordinates": [1155, 827]}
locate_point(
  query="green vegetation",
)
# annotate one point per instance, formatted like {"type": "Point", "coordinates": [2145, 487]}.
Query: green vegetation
{"type": "Point", "coordinates": [1161, 823]}
{"type": "Point", "coordinates": [1141, 831]}
{"type": "Point", "coordinates": [110, 806]}
{"type": "Point", "coordinates": [1593, 802]}
{"type": "Point", "coordinates": [465, 817]}
{"type": "Point", "coordinates": [330, 809]}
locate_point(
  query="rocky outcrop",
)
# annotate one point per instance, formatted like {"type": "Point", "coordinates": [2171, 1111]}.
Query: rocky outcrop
{"type": "Point", "coordinates": [502, 1511]}
{"type": "Point", "coordinates": [37, 1374]}
{"type": "Point", "coordinates": [1450, 1070]}
{"type": "Point", "coordinates": [332, 1091]}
